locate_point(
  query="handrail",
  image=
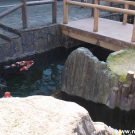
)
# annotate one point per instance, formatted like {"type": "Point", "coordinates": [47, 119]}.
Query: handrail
{"type": "Point", "coordinates": [125, 3]}
{"type": "Point", "coordinates": [10, 10]}
{"type": "Point", "coordinates": [96, 8]}
{"type": "Point", "coordinates": [24, 4]}
{"type": "Point", "coordinates": [121, 2]}
{"type": "Point", "coordinates": [101, 7]}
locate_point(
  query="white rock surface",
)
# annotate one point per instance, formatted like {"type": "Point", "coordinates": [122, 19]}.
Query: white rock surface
{"type": "Point", "coordinates": [101, 129]}
{"type": "Point", "coordinates": [43, 115]}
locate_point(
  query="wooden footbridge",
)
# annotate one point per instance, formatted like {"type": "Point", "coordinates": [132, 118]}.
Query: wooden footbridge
{"type": "Point", "coordinates": [106, 33]}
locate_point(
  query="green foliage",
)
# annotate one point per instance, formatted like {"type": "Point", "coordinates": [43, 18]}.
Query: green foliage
{"type": "Point", "coordinates": [120, 63]}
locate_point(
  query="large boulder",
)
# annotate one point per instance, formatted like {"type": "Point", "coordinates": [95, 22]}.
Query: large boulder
{"type": "Point", "coordinates": [44, 115]}
{"type": "Point", "coordinates": [87, 77]}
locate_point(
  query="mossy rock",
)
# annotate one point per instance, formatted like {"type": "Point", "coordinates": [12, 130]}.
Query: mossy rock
{"type": "Point", "coordinates": [120, 62]}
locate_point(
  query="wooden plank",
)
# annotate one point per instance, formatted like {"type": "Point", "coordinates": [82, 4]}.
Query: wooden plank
{"type": "Point", "coordinates": [65, 12]}
{"type": "Point", "coordinates": [24, 14]}
{"type": "Point", "coordinates": [3, 14]}
{"type": "Point", "coordinates": [101, 7]}
{"type": "Point", "coordinates": [94, 41]}
{"type": "Point", "coordinates": [125, 15]}
{"type": "Point", "coordinates": [54, 13]}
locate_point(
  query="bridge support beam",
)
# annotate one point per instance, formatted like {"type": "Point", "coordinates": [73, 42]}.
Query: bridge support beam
{"type": "Point", "coordinates": [94, 41]}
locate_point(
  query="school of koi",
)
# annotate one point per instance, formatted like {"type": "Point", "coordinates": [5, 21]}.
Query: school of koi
{"type": "Point", "coordinates": [23, 65]}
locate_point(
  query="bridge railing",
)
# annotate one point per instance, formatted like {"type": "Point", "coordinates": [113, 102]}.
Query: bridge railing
{"type": "Point", "coordinates": [24, 5]}
{"type": "Point", "coordinates": [97, 7]}
{"type": "Point", "coordinates": [126, 5]}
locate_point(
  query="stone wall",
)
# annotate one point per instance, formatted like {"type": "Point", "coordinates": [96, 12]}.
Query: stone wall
{"type": "Point", "coordinates": [39, 40]}
{"type": "Point", "coordinates": [35, 41]}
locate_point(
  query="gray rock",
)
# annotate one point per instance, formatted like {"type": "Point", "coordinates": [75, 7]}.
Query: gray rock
{"type": "Point", "coordinates": [87, 77]}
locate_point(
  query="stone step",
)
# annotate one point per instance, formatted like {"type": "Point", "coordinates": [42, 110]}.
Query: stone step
{"type": "Point", "coordinates": [10, 29]}
{"type": "Point", "coordinates": [2, 41]}
{"type": "Point", "coordinates": [7, 35]}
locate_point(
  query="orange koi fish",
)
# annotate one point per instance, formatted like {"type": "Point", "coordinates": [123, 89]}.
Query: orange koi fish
{"type": "Point", "coordinates": [19, 64]}
{"type": "Point", "coordinates": [24, 63]}
{"type": "Point", "coordinates": [27, 66]}
{"type": "Point", "coordinates": [7, 95]}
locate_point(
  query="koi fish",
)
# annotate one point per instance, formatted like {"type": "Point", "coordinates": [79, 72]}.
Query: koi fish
{"type": "Point", "coordinates": [26, 67]}
{"type": "Point", "coordinates": [18, 64]}
{"type": "Point", "coordinates": [10, 66]}
{"type": "Point", "coordinates": [7, 95]}
{"type": "Point", "coordinates": [24, 63]}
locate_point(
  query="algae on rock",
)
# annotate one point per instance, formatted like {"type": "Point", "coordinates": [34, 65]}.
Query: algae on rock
{"type": "Point", "coordinates": [121, 62]}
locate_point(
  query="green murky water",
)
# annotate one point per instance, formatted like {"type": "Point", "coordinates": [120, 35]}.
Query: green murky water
{"type": "Point", "coordinates": [44, 77]}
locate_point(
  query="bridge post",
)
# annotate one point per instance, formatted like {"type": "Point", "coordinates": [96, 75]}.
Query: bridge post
{"type": "Point", "coordinates": [133, 34]}
{"type": "Point", "coordinates": [92, 10]}
{"type": "Point", "coordinates": [125, 15]}
{"type": "Point", "coordinates": [96, 15]}
{"type": "Point", "coordinates": [24, 14]}
{"type": "Point", "coordinates": [65, 12]}
{"type": "Point", "coordinates": [54, 11]}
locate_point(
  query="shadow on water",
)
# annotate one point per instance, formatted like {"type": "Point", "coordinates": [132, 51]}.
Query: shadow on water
{"type": "Point", "coordinates": [44, 78]}
{"type": "Point", "coordinates": [113, 117]}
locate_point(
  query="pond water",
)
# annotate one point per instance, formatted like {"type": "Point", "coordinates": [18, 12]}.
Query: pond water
{"type": "Point", "coordinates": [44, 78]}
{"type": "Point", "coordinates": [115, 118]}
